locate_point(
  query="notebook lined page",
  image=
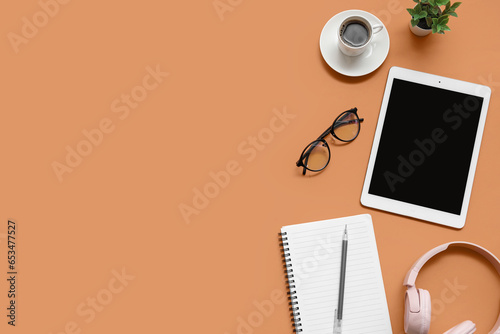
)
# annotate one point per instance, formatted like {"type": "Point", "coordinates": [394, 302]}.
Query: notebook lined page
{"type": "Point", "coordinates": [314, 252]}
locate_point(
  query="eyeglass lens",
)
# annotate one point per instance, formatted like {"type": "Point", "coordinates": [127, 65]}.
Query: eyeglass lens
{"type": "Point", "coordinates": [316, 156]}
{"type": "Point", "coordinates": [346, 126]}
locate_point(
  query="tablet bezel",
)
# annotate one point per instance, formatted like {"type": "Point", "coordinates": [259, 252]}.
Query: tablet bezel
{"type": "Point", "coordinates": [412, 210]}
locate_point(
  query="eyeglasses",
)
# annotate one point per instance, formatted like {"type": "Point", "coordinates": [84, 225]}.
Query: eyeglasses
{"type": "Point", "coordinates": [316, 155]}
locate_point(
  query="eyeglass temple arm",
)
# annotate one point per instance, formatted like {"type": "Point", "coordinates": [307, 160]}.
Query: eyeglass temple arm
{"type": "Point", "coordinates": [305, 169]}
{"type": "Point", "coordinates": [301, 164]}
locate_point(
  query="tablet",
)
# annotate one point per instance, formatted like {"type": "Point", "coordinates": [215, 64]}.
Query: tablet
{"type": "Point", "coordinates": [426, 147]}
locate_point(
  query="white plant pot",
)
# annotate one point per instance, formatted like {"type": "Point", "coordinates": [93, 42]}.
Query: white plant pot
{"type": "Point", "coordinates": [419, 31]}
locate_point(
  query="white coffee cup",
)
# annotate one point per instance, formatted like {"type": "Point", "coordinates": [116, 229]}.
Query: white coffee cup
{"type": "Point", "coordinates": [350, 49]}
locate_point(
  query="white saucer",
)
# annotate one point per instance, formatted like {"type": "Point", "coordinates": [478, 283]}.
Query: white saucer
{"type": "Point", "coordinates": [363, 64]}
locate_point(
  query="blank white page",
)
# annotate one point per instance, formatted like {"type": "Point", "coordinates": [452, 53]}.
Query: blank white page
{"type": "Point", "coordinates": [313, 251]}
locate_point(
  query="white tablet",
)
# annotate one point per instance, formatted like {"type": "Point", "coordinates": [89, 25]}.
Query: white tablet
{"type": "Point", "coordinates": [426, 147]}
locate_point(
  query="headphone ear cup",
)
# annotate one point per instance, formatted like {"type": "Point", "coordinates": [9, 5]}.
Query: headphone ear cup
{"type": "Point", "coordinates": [418, 321]}
{"type": "Point", "coordinates": [425, 309]}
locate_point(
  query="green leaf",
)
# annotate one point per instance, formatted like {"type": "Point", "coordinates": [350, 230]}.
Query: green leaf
{"type": "Point", "coordinates": [418, 8]}
{"type": "Point", "coordinates": [432, 2]}
{"type": "Point", "coordinates": [411, 11]}
{"type": "Point", "coordinates": [442, 2]}
{"type": "Point", "coordinates": [448, 5]}
{"type": "Point", "coordinates": [423, 14]}
{"type": "Point", "coordinates": [434, 28]}
{"type": "Point", "coordinates": [414, 22]}
{"type": "Point", "coordinates": [446, 28]}
{"type": "Point", "coordinates": [428, 20]}
{"type": "Point", "coordinates": [415, 0]}
{"type": "Point", "coordinates": [443, 19]}
{"type": "Point", "coordinates": [455, 5]}
{"type": "Point", "coordinates": [434, 10]}
{"type": "Point", "coordinates": [441, 32]}
{"type": "Point", "coordinates": [453, 14]}
{"type": "Point", "coordinates": [420, 15]}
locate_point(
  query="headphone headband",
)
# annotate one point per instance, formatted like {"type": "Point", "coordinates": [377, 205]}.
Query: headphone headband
{"type": "Point", "coordinates": [412, 274]}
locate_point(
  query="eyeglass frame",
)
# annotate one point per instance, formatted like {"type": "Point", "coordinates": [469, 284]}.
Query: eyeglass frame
{"type": "Point", "coordinates": [325, 133]}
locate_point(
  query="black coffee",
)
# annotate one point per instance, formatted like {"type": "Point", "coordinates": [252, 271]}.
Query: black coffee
{"type": "Point", "coordinates": [355, 33]}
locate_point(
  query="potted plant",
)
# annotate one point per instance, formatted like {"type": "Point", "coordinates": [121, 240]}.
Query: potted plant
{"type": "Point", "coordinates": [430, 16]}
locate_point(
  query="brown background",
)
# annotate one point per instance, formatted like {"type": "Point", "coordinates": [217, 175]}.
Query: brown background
{"type": "Point", "coordinates": [119, 209]}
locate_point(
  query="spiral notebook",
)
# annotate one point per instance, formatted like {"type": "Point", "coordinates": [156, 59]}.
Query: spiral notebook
{"type": "Point", "coordinates": [312, 254]}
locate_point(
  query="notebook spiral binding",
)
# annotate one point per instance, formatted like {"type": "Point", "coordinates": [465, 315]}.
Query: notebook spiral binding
{"type": "Point", "coordinates": [292, 298]}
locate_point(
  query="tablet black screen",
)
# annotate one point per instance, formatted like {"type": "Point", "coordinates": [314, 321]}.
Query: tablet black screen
{"type": "Point", "coordinates": [426, 146]}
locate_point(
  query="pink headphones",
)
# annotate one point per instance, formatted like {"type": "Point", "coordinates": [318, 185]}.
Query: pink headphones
{"type": "Point", "coordinates": [418, 301]}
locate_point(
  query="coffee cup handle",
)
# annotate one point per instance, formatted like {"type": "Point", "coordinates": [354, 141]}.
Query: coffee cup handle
{"type": "Point", "coordinates": [377, 28]}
